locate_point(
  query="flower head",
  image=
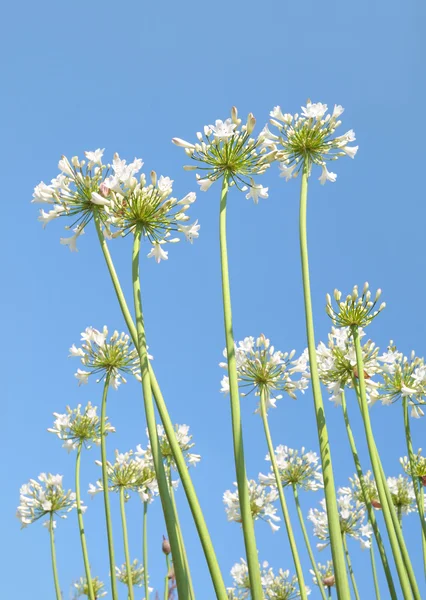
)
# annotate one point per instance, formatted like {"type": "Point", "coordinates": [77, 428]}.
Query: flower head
{"type": "Point", "coordinates": [225, 149]}
{"type": "Point", "coordinates": [137, 573]}
{"type": "Point", "coordinates": [418, 468]}
{"type": "Point", "coordinates": [263, 369]}
{"type": "Point", "coordinates": [82, 588]}
{"type": "Point", "coordinates": [105, 357]}
{"type": "Point", "coordinates": [355, 310]}
{"type": "Point", "coordinates": [356, 490]}
{"type": "Point", "coordinates": [280, 586]}
{"type": "Point", "coordinates": [301, 469]}
{"type": "Point", "coordinates": [261, 504]}
{"type": "Point", "coordinates": [310, 137]}
{"type": "Point", "coordinates": [326, 572]}
{"type": "Point", "coordinates": [402, 493]}
{"type": "Point", "coordinates": [184, 440]}
{"type": "Point", "coordinates": [75, 427]}
{"type": "Point", "coordinates": [45, 497]}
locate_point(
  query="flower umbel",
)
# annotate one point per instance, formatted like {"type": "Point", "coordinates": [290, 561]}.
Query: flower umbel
{"type": "Point", "coordinates": [75, 427]}
{"type": "Point", "coordinates": [280, 586]}
{"type": "Point", "coordinates": [82, 589]}
{"type": "Point", "coordinates": [301, 469]}
{"type": "Point", "coordinates": [355, 490]}
{"type": "Point", "coordinates": [137, 573]}
{"type": "Point", "coordinates": [44, 497]}
{"type": "Point", "coordinates": [261, 504]}
{"type": "Point", "coordinates": [309, 137]}
{"type": "Point", "coordinates": [419, 466]}
{"type": "Point", "coordinates": [355, 310]}
{"type": "Point", "coordinates": [327, 574]}
{"type": "Point", "coordinates": [184, 440]}
{"type": "Point", "coordinates": [402, 493]}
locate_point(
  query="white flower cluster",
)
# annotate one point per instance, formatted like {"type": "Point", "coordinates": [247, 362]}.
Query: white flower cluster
{"type": "Point", "coordinates": [302, 469]}
{"type": "Point", "coordinates": [75, 427]}
{"type": "Point", "coordinates": [355, 310]}
{"type": "Point", "coordinates": [263, 369]}
{"type": "Point", "coordinates": [418, 469]}
{"type": "Point", "coordinates": [352, 522]}
{"type": "Point", "coordinates": [275, 586]}
{"type": "Point", "coordinates": [261, 504]}
{"type": "Point", "coordinates": [356, 492]}
{"type": "Point", "coordinates": [137, 574]}
{"type": "Point", "coordinates": [402, 493]}
{"type": "Point", "coordinates": [184, 440]}
{"type": "Point", "coordinates": [309, 137]}
{"type": "Point", "coordinates": [337, 363]}
{"type": "Point", "coordinates": [121, 200]}
{"type": "Point", "coordinates": [44, 497]}
{"type": "Point", "coordinates": [229, 151]}
{"type": "Point", "coordinates": [82, 588]}
{"type": "Point", "coordinates": [105, 357]}
{"type": "Point", "coordinates": [326, 572]}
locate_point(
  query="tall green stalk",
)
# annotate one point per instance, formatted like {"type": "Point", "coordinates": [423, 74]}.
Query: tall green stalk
{"type": "Point", "coordinates": [399, 550]}
{"type": "Point", "coordinates": [105, 485]}
{"type": "Point", "coordinates": [91, 593]}
{"type": "Point", "coordinates": [350, 568]}
{"type": "Point", "coordinates": [308, 543]}
{"type": "Point", "coordinates": [166, 579]}
{"type": "Point", "coordinates": [342, 584]}
{"type": "Point", "coordinates": [181, 579]}
{"type": "Point", "coordinates": [126, 545]}
{"type": "Point", "coordinates": [368, 505]}
{"type": "Point", "coordinates": [374, 572]}
{"type": "Point", "coordinates": [145, 549]}
{"type": "Point", "coordinates": [417, 485]}
{"type": "Point", "coordinates": [237, 433]}
{"type": "Point", "coordinates": [53, 556]}
{"type": "Point", "coordinates": [287, 521]}
{"type": "Point", "coordinates": [188, 486]}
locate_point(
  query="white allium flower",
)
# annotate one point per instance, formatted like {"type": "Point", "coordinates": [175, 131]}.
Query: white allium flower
{"type": "Point", "coordinates": [82, 589]}
{"type": "Point", "coordinates": [280, 586]}
{"type": "Point", "coordinates": [419, 466]}
{"type": "Point", "coordinates": [225, 149]}
{"type": "Point", "coordinates": [310, 136]}
{"type": "Point", "coordinates": [75, 427]}
{"type": "Point", "coordinates": [355, 490]}
{"type": "Point", "coordinates": [337, 363]}
{"type": "Point", "coordinates": [302, 469]}
{"type": "Point", "coordinates": [352, 522]}
{"type": "Point", "coordinates": [241, 580]}
{"type": "Point", "coordinates": [327, 574]}
{"type": "Point", "coordinates": [261, 504]}
{"type": "Point", "coordinates": [184, 440]}
{"type": "Point", "coordinates": [137, 571]}
{"type": "Point", "coordinates": [104, 357]}
{"type": "Point", "coordinates": [355, 309]}
{"type": "Point", "coordinates": [403, 496]}
{"type": "Point", "coordinates": [44, 497]}
{"type": "Point", "coordinates": [261, 368]}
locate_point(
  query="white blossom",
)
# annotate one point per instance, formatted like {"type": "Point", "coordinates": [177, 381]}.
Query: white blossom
{"type": "Point", "coordinates": [299, 468]}
{"type": "Point", "coordinates": [75, 427]}
{"type": "Point", "coordinates": [45, 497]}
{"type": "Point", "coordinates": [261, 504]}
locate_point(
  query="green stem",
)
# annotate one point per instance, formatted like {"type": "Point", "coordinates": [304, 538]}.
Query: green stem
{"type": "Point", "coordinates": [126, 544]}
{"type": "Point", "coordinates": [401, 558]}
{"type": "Point", "coordinates": [181, 579]}
{"type": "Point", "coordinates": [290, 534]}
{"type": "Point", "coordinates": [166, 579]}
{"type": "Point", "coordinates": [184, 475]}
{"type": "Point", "coordinates": [374, 571]}
{"type": "Point", "coordinates": [53, 555]}
{"type": "Point", "coordinates": [369, 507]}
{"type": "Point", "coordinates": [416, 480]}
{"type": "Point", "coordinates": [329, 592]}
{"type": "Point", "coordinates": [105, 485]}
{"type": "Point", "coordinates": [91, 593]}
{"type": "Point", "coordinates": [350, 569]}
{"type": "Point", "coordinates": [308, 543]}
{"type": "Point", "coordinates": [342, 584]}
{"type": "Point", "coordinates": [145, 549]}
{"type": "Point", "coordinates": [237, 433]}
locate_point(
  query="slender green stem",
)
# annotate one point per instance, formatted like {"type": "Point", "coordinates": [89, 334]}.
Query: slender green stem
{"type": "Point", "coordinates": [185, 477]}
{"type": "Point", "coordinates": [53, 555]}
{"type": "Point", "coordinates": [91, 593]}
{"type": "Point", "coordinates": [417, 484]}
{"type": "Point", "coordinates": [181, 579]}
{"type": "Point", "coordinates": [287, 521]}
{"type": "Point", "coordinates": [308, 543]}
{"type": "Point", "coordinates": [399, 551]}
{"type": "Point", "coordinates": [237, 433]}
{"type": "Point", "coordinates": [105, 485]}
{"type": "Point", "coordinates": [350, 568]}
{"type": "Point", "coordinates": [369, 507]}
{"type": "Point", "coordinates": [374, 571]}
{"type": "Point", "coordinates": [342, 584]}
{"type": "Point", "coordinates": [166, 579]}
{"type": "Point", "coordinates": [329, 591]}
{"type": "Point", "coordinates": [126, 544]}
{"type": "Point", "coordinates": [145, 549]}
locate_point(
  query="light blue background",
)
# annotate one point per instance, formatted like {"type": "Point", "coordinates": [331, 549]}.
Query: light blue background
{"type": "Point", "coordinates": [129, 77]}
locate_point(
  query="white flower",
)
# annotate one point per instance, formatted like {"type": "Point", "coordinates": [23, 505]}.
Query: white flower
{"type": "Point", "coordinates": [190, 231]}
{"type": "Point", "coordinates": [130, 471]}
{"type": "Point", "coordinates": [295, 468]}
{"type": "Point", "coordinates": [314, 111]}
{"type": "Point", "coordinates": [402, 492]}
{"type": "Point", "coordinates": [99, 200]}
{"type": "Point", "coordinates": [286, 171]}
{"type": "Point", "coordinates": [257, 191]}
{"type": "Point", "coordinates": [261, 504]}
{"type": "Point", "coordinates": [184, 439]}
{"type": "Point", "coordinates": [204, 184]}
{"type": "Point", "coordinates": [165, 184]}
{"type": "Point", "coordinates": [45, 217]}
{"type": "Point", "coordinates": [95, 156]}
{"type": "Point", "coordinates": [158, 253]}
{"type": "Point", "coordinates": [44, 497]}
{"type": "Point", "coordinates": [350, 150]}
{"type": "Point", "coordinates": [327, 175]}
{"type": "Point", "coordinates": [137, 574]}
{"type": "Point", "coordinates": [82, 588]}
{"type": "Point", "coordinates": [71, 242]}
{"type": "Point", "coordinates": [223, 130]}
{"type": "Point", "coordinates": [76, 428]}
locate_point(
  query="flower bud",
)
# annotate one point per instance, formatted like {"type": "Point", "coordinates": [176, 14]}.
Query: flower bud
{"type": "Point", "coordinates": [337, 295]}
{"type": "Point", "coordinates": [165, 547]}
{"type": "Point", "coordinates": [104, 190]}
{"type": "Point", "coordinates": [329, 581]}
{"type": "Point", "coordinates": [182, 143]}
{"type": "Point", "coordinates": [376, 504]}
{"type": "Point", "coordinates": [378, 294]}
{"type": "Point", "coordinates": [154, 178]}
{"type": "Point", "coordinates": [251, 122]}
{"type": "Point", "coordinates": [365, 288]}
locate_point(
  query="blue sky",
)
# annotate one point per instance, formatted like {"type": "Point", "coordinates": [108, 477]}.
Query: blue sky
{"type": "Point", "coordinates": [129, 78]}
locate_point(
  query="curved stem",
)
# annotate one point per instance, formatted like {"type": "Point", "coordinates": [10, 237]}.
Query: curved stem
{"type": "Point", "coordinates": [166, 579]}
{"type": "Point", "coordinates": [237, 433]}
{"type": "Point", "coordinates": [418, 491]}
{"type": "Point", "coordinates": [342, 584]}
{"type": "Point", "coordinates": [53, 556]}
{"type": "Point", "coordinates": [91, 593]}
{"type": "Point", "coordinates": [308, 543]}
{"type": "Point", "coordinates": [181, 579]}
{"type": "Point", "coordinates": [126, 544]}
{"type": "Point", "coordinates": [367, 502]}
{"type": "Point", "coordinates": [399, 550]}
{"type": "Point", "coordinates": [145, 549]}
{"type": "Point", "coordinates": [187, 484]}
{"type": "Point", "coordinates": [350, 569]}
{"type": "Point", "coordinates": [290, 534]}
{"type": "Point", "coordinates": [373, 569]}
{"type": "Point", "coordinates": [106, 491]}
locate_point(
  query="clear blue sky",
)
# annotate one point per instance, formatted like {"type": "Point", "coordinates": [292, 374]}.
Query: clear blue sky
{"type": "Point", "coordinates": [129, 77]}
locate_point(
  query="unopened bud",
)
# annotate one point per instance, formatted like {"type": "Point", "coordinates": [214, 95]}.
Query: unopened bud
{"type": "Point", "coordinates": [365, 288]}
{"type": "Point", "coordinates": [234, 115]}
{"type": "Point", "coordinates": [251, 122]}
{"type": "Point", "coordinates": [337, 295]}
{"type": "Point", "coordinates": [382, 306]}
{"type": "Point", "coordinates": [165, 547]}
{"type": "Point", "coordinates": [376, 504]}
{"type": "Point", "coordinates": [182, 143]}
{"type": "Point", "coordinates": [104, 190]}
{"type": "Point", "coordinates": [329, 581]}
{"type": "Point", "coordinates": [328, 298]}
{"type": "Point", "coordinates": [378, 294]}
{"type": "Point", "coordinates": [423, 480]}
{"type": "Point", "coordinates": [153, 178]}
{"type": "Point", "coordinates": [355, 293]}
{"type": "Point", "coordinates": [75, 162]}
